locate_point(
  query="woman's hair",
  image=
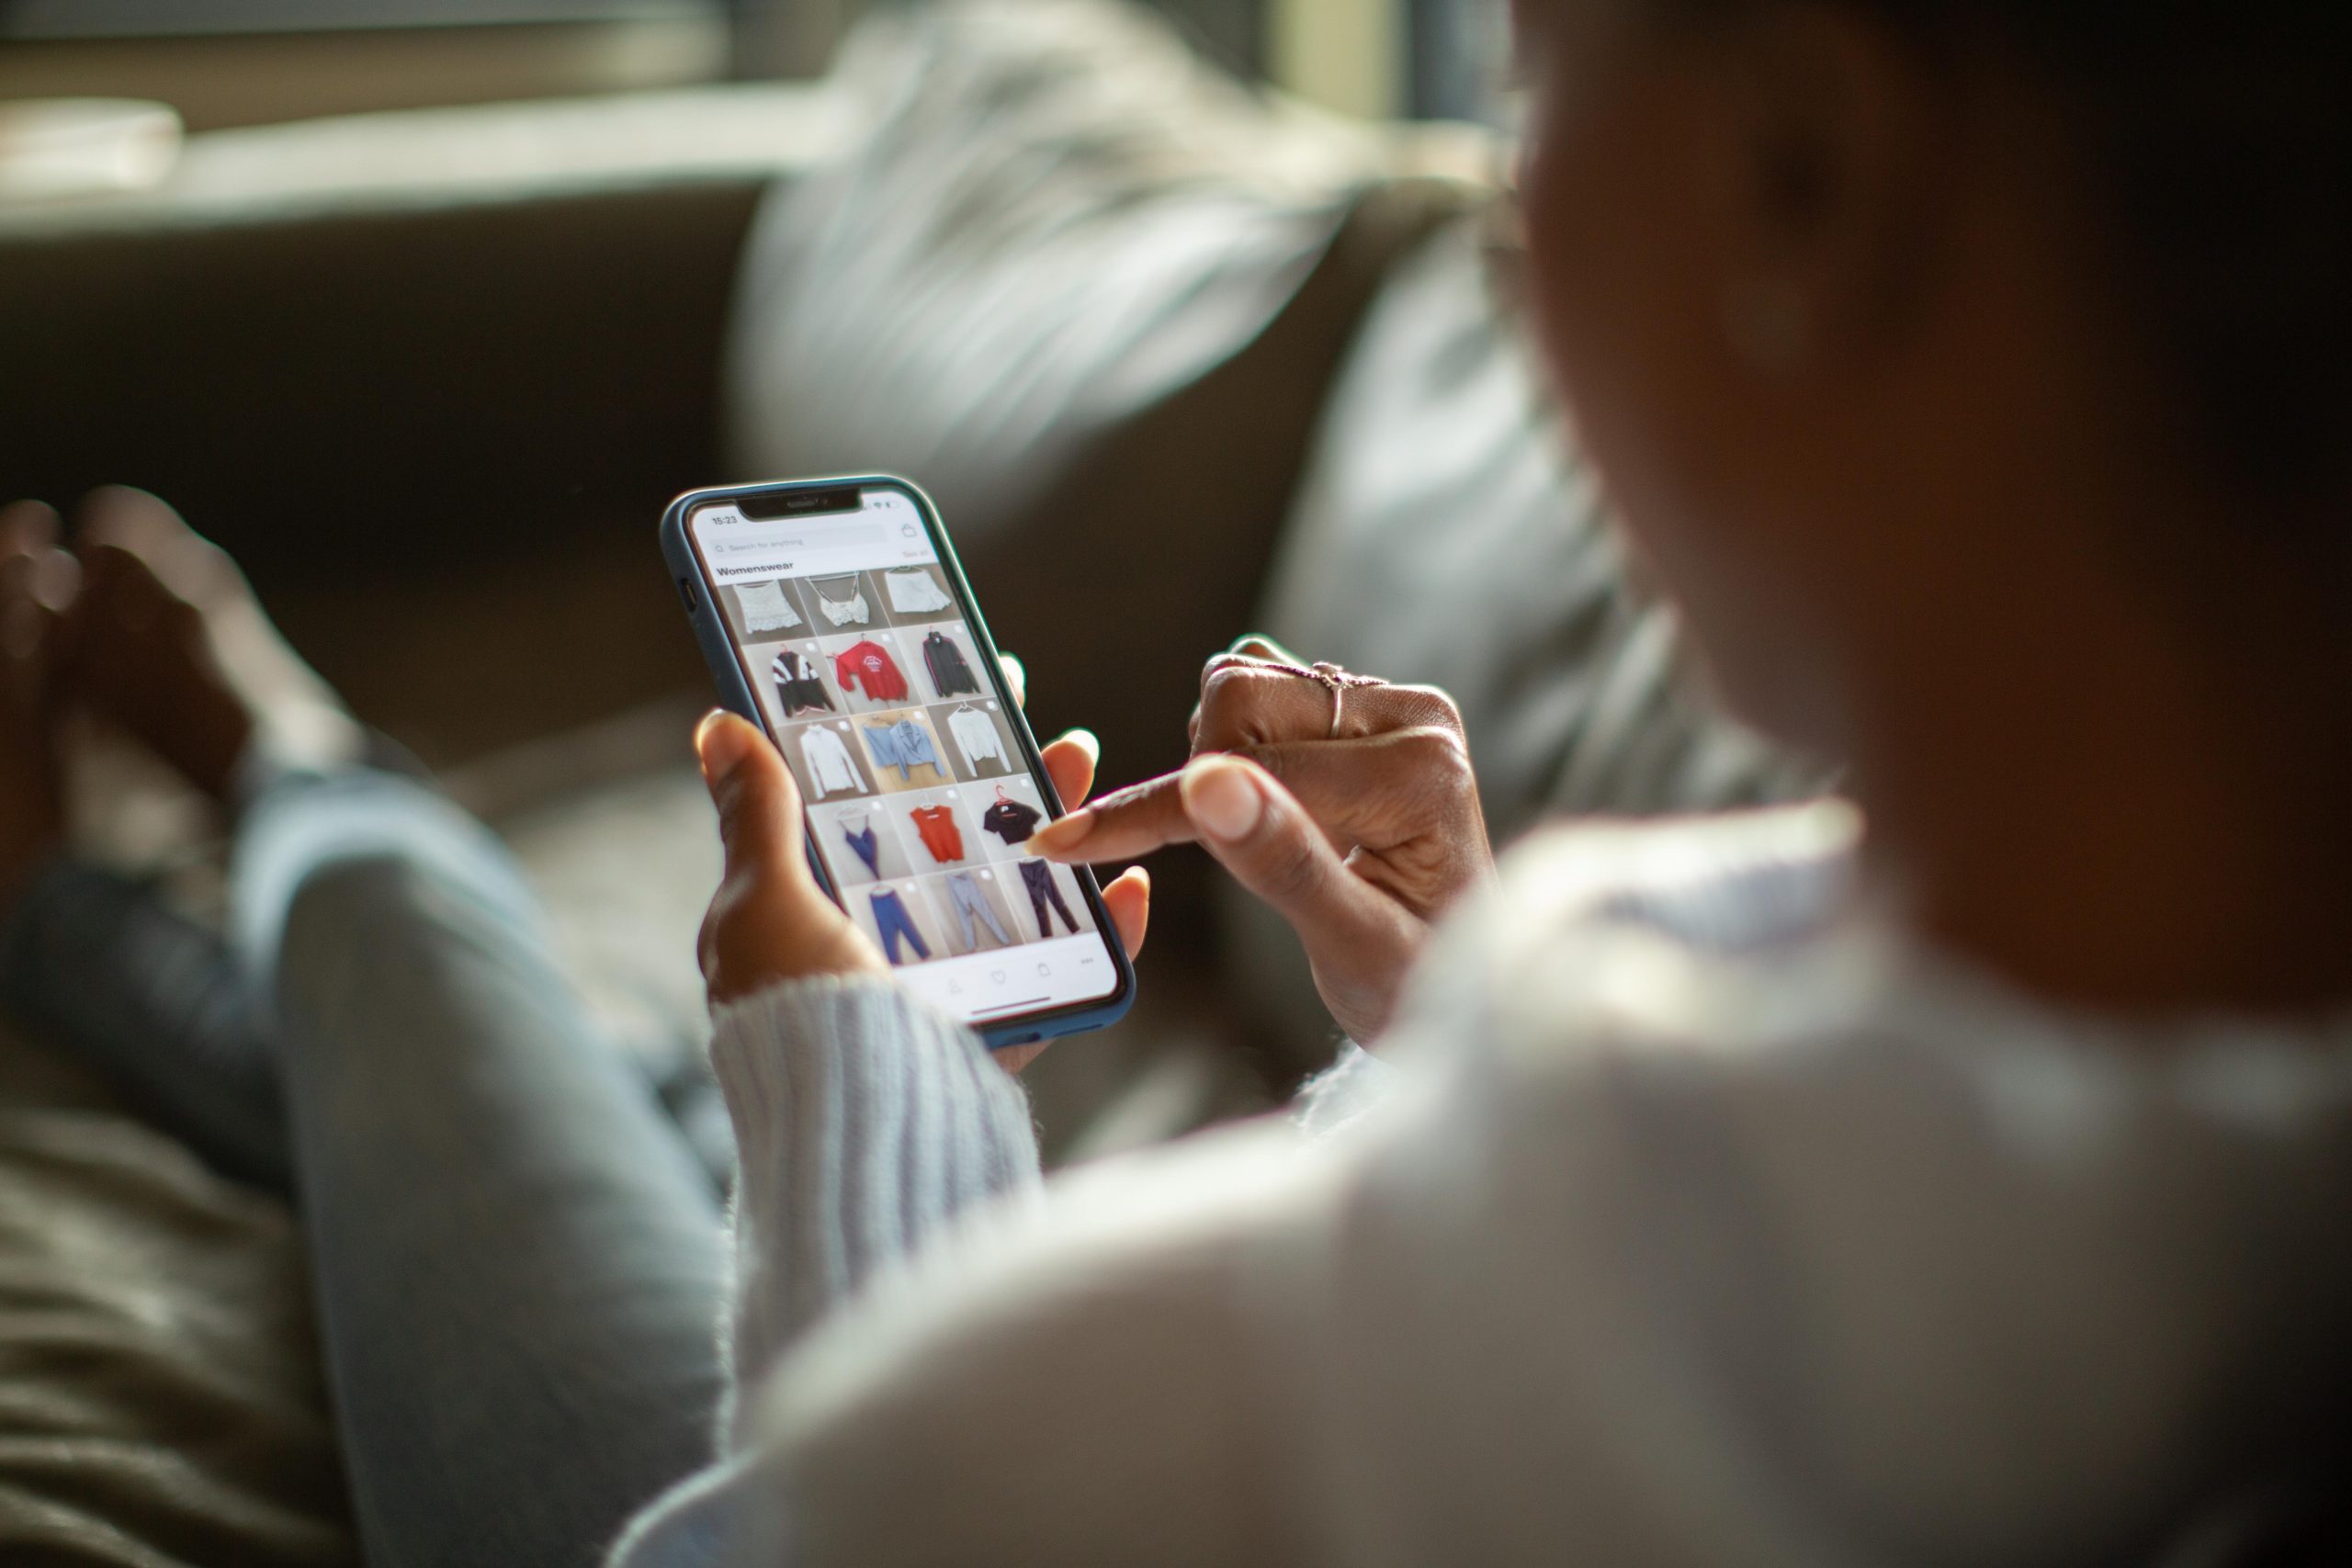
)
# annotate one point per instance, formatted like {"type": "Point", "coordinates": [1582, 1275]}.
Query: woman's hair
{"type": "Point", "coordinates": [2217, 136]}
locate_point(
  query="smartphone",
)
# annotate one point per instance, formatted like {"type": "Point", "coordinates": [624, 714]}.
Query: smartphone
{"type": "Point", "coordinates": [833, 615]}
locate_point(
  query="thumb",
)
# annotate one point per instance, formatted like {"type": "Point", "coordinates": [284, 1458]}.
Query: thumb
{"type": "Point", "coordinates": [759, 804]}
{"type": "Point", "coordinates": [1259, 833]}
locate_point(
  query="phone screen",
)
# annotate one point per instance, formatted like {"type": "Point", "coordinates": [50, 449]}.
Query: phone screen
{"type": "Point", "coordinates": [878, 690]}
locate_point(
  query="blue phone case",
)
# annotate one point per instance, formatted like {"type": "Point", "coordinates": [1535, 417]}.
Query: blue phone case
{"type": "Point", "coordinates": [735, 695]}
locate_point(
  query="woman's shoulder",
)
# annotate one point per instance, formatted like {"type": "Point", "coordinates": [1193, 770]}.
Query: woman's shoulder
{"type": "Point", "coordinates": [1730, 971]}
{"type": "Point", "coordinates": [1657, 923]}
{"type": "Point", "coordinates": [1723, 880]}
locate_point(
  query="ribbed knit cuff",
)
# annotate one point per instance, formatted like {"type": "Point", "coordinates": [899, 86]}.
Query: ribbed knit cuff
{"type": "Point", "coordinates": [864, 1118]}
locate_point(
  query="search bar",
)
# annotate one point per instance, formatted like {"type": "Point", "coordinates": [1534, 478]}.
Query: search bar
{"type": "Point", "coordinates": [801, 537]}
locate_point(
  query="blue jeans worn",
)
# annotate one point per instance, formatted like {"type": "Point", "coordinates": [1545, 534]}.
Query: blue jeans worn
{"type": "Point", "coordinates": [518, 1262]}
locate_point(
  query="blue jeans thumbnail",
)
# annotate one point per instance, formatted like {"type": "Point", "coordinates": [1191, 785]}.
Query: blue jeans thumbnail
{"type": "Point", "coordinates": [890, 917]}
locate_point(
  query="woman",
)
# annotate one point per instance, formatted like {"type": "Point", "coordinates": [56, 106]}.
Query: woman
{"type": "Point", "coordinates": [1959, 1175]}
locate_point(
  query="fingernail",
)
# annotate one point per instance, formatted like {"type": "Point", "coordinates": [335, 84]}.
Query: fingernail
{"type": "Point", "coordinates": [1087, 739]}
{"type": "Point", "coordinates": [1221, 799]}
{"type": "Point", "coordinates": [56, 580]}
{"type": "Point", "coordinates": [720, 745]}
{"type": "Point", "coordinates": [1064, 832]}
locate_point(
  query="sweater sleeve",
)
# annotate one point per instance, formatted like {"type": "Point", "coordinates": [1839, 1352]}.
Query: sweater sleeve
{"type": "Point", "coordinates": [864, 1118]}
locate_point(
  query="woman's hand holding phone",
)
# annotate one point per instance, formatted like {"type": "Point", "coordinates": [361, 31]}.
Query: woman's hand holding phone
{"type": "Point", "coordinates": [770, 921]}
{"type": "Point", "coordinates": [1347, 805]}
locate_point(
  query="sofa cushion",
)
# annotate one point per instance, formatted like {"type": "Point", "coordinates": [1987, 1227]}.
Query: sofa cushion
{"type": "Point", "coordinates": [1057, 216]}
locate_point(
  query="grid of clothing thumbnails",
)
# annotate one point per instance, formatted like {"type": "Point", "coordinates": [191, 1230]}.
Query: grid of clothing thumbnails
{"type": "Point", "coordinates": [966, 906]}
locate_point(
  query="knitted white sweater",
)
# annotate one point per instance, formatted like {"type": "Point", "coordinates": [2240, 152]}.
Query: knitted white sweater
{"type": "Point", "coordinates": [1701, 1228]}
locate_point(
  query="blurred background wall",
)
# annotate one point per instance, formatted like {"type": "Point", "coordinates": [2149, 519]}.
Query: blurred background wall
{"type": "Point", "coordinates": [231, 63]}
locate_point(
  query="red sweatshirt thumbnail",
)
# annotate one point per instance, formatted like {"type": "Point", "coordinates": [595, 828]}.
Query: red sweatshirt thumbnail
{"type": "Point", "coordinates": [870, 663]}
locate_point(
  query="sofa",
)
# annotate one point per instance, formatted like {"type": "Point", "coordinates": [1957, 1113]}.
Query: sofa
{"type": "Point", "coordinates": [1178, 361]}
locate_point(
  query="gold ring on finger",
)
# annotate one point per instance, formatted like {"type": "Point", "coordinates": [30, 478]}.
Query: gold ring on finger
{"type": "Point", "coordinates": [1337, 681]}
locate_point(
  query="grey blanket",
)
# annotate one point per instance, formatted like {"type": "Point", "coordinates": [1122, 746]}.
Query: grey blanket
{"type": "Point", "coordinates": [160, 1396]}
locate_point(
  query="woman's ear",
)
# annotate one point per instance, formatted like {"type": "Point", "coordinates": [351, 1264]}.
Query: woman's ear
{"type": "Point", "coordinates": [1823, 181]}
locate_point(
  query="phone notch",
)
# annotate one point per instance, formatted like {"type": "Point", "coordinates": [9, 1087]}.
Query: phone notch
{"type": "Point", "coordinates": [770, 506]}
